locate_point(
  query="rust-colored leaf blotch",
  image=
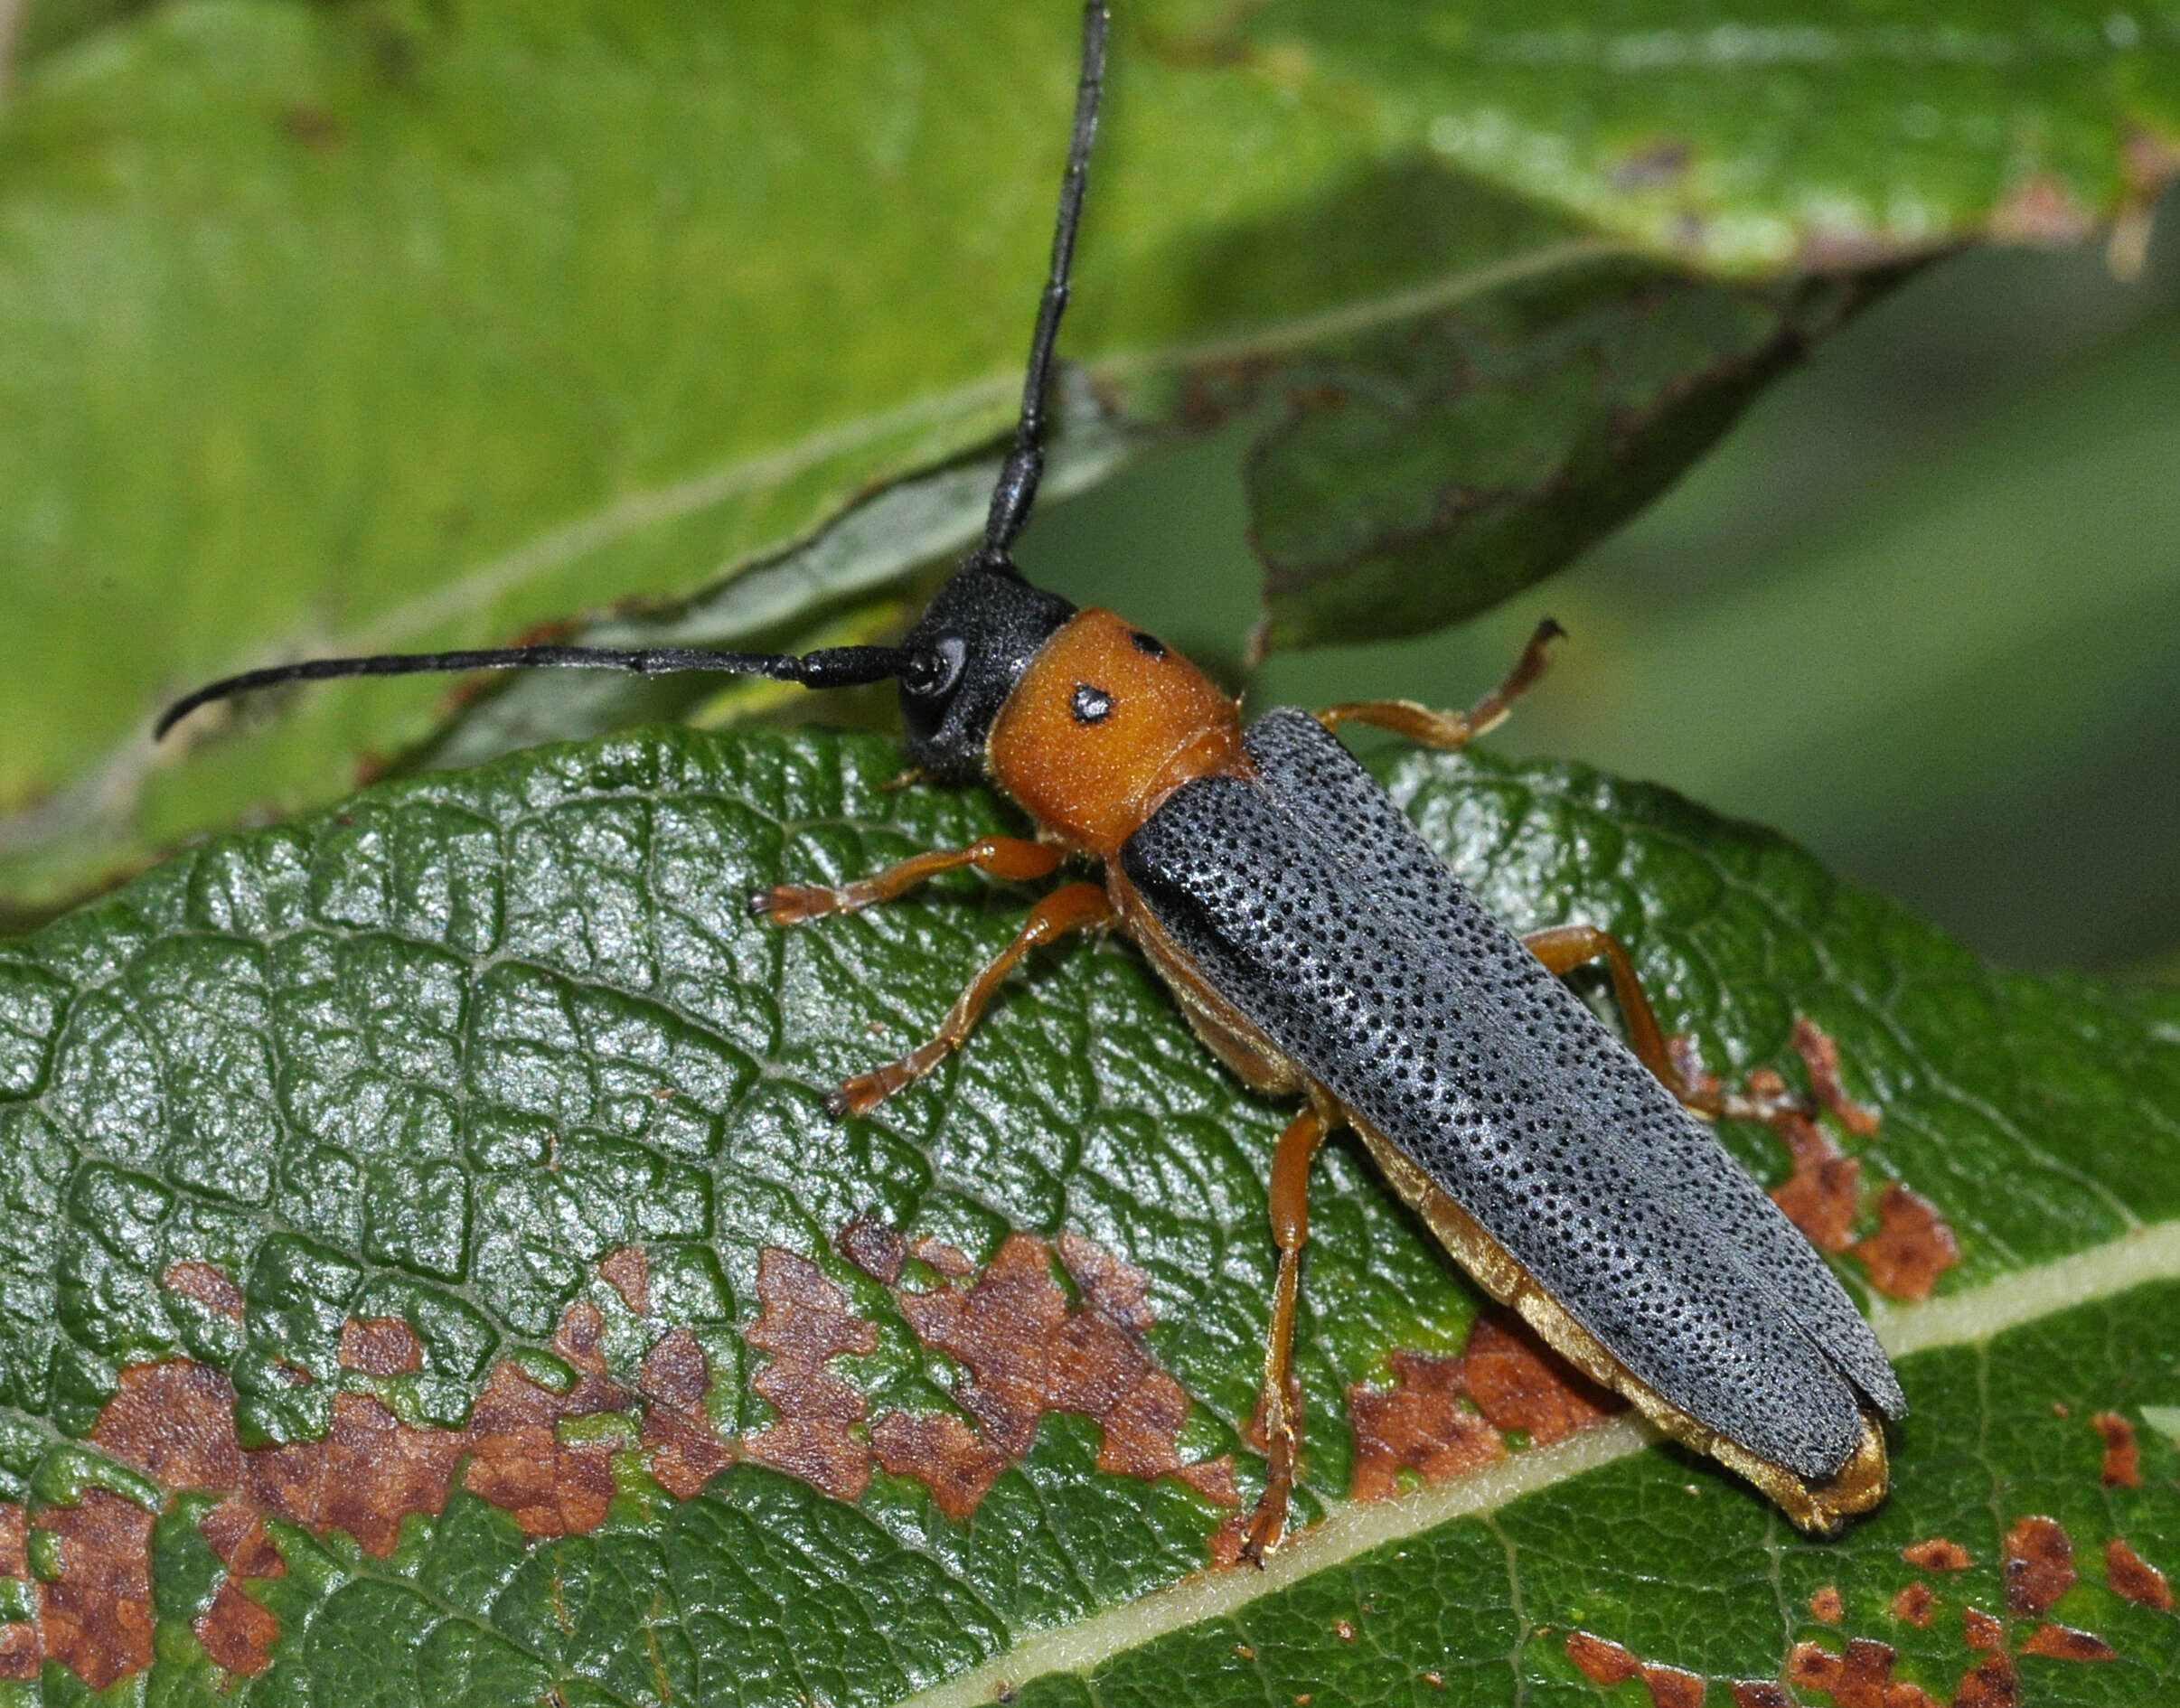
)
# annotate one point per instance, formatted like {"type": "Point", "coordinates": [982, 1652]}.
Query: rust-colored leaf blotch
{"type": "Point", "coordinates": [1826, 1606]}
{"type": "Point", "coordinates": [2038, 1566]}
{"type": "Point", "coordinates": [207, 1286]}
{"type": "Point", "coordinates": [1936, 1554]}
{"type": "Point", "coordinates": [1518, 1385]}
{"type": "Point", "coordinates": [2128, 1574]}
{"type": "Point", "coordinates": [803, 1322]}
{"type": "Point", "coordinates": [1912, 1247]}
{"type": "Point", "coordinates": [96, 1617]}
{"type": "Point", "coordinates": [1823, 1194]}
{"type": "Point", "coordinates": [1028, 1351]}
{"type": "Point", "coordinates": [1603, 1662]}
{"type": "Point", "coordinates": [1419, 1424]}
{"type": "Point", "coordinates": [384, 1347]}
{"type": "Point", "coordinates": [2123, 1466]}
{"type": "Point", "coordinates": [1862, 1678]}
{"type": "Point", "coordinates": [2062, 1642]}
{"type": "Point", "coordinates": [1914, 1605]}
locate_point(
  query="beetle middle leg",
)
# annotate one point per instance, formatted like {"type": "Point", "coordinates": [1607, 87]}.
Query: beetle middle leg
{"type": "Point", "coordinates": [1276, 1405]}
{"type": "Point", "coordinates": [1448, 731]}
{"type": "Point", "coordinates": [1013, 857]}
{"type": "Point", "coordinates": [1070, 907]}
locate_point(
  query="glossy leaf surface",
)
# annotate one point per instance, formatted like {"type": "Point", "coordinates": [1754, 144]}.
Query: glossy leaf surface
{"type": "Point", "coordinates": [436, 1184]}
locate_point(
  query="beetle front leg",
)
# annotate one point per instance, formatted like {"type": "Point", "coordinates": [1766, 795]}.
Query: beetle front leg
{"type": "Point", "coordinates": [1449, 731]}
{"type": "Point", "coordinates": [1278, 1405]}
{"type": "Point", "coordinates": [1013, 857]}
{"type": "Point", "coordinates": [1070, 907]}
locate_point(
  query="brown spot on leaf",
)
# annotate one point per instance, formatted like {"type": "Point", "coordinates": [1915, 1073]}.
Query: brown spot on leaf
{"type": "Point", "coordinates": [22, 1654]}
{"type": "Point", "coordinates": [1603, 1662]}
{"type": "Point", "coordinates": [1518, 1385]}
{"type": "Point", "coordinates": [1418, 1425]}
{"type": "Point", "coordinates": [1827, 1606]}
{"type": "Point", "coordinates": [1600, 1661]}
{"type": "Point", "coordinates": [2038, 1566]}
{"type": "Point", "coordinates": [949, 1260]}
{"type": "Point", "coordinates": [96, 1617]}
{"type": "Point", "coordinates": [1669, 1687]}
{"type": "Point", "coordinates": [1760, 1693]}
{"type": "Point", "coordinates": [14, 1526]}
{"type": "Point", "coordinates": [1860, 1678]}
{"type": "Point", "coordinates": [1911, 1248]}
{"type": "Point", "coordinates": [176, 1422]}
{"type": "Point", "coordinates": [1343, 1630]}
{"type": "Point", "coordinates": [1990, 1683]}
{"type": "Point", "coordinates": [1028, 1352]}
{"type": "Point", "coordinates": [1421, 1424]}
{"type": "Point", "coordinates": [685, 1452]}
{"type": "Point", "coordinates": [2062, 1642]}
{"type": "Point", "coordinates": [956, 1464]}
{"type": "Point", "coordinates": [237, 1631]}
{"type": "Point", "coordinates": [383, 1347]}
{"type": "Point", "coordinates": [1822, 1196]}
{"type": "Point", "coordinates": [1982, 1630]}
{"type": "Point", "coordinates": [629, 1273]}
{"type": "Point", "coordinates": [235, 1531]}
{"type": "Point", "coordinates": [1936, 1554]}
{"type": "Point", "coordinates": [803, 1322]}
{"type": "Point", "coordinates": [1119, 1289]}
{"type": "Point", "coordinates": [1914, 1604]}
{"type": "Point", "coordinates": [207, 1286]}
{"type": "Point", "coordinates": [874, 1248]}
{"type": "Point", "coordinates": [2128, 1574]}
{"type": "Point", "coordinates": [2122, 1459]}
{"type": "Point", "coordinates": [1820, 1055]}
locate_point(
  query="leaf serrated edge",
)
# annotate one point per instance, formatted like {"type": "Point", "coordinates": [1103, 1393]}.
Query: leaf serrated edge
{"type": "Point", "coordinates": [2149, 1253]}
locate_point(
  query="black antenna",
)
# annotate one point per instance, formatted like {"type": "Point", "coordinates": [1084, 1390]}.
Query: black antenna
{"type": "Point", "coordinates": [1016, 488]}
{"type": "Point", "coordinates": [831, 667]}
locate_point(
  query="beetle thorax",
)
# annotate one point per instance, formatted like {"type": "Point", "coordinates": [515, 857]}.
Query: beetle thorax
{"type": "Point", "coordinates": [1104, 724]}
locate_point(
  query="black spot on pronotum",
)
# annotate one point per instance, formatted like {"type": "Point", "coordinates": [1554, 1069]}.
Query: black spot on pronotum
{"type": "Point", "coordinates": [1150, 645]}
{"type": "Point", "coordinates": [1090, 705]}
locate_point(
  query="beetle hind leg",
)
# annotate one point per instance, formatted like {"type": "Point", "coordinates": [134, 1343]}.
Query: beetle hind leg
{"type": "Point", "coordinates": [1278, 1407]}
{"type": "Point", "coordinates": [1563, 948]}
{"type": "Point", "coordinates": [1450, 731]}
{"type": "Point", "coordinates": [1070, 907]}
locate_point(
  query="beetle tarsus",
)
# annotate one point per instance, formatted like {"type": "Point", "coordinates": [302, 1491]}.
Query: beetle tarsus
{"type": "Point", "coordinates": [795, 904]}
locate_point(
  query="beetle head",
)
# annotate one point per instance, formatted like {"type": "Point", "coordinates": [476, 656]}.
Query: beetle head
{"type": "Point", "coordinates": [963, 658]}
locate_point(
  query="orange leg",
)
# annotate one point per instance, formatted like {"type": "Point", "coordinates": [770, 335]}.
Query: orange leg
{"type": "Point", "coordinates": [1279, 1406]}
{"type": "Point", "coordinates": [1563, 948]}
{"type": "Point", "coordinates": [1070, 907]}
{"type": "Point", "coordinates": [1451, 730]}
{"type": "Point", "coordinates": [1012, 858]}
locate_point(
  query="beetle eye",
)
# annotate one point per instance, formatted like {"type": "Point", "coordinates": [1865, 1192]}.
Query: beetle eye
{"type": "Point", "coordinates": [933, 671]}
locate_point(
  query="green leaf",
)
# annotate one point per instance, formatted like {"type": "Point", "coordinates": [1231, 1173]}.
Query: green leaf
{"type": "Point", "coordinates": [463, 1152]}
{"type": "Point", "coordinates": [393, 325]}
{"type": "Point", "coordinates": [1423, 472]}
{"type": "Point", "coordinates": [1757, 137]}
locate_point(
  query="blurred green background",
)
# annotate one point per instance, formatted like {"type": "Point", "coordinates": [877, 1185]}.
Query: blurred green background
{"type": "Point", "coordinates": [1921, 609]}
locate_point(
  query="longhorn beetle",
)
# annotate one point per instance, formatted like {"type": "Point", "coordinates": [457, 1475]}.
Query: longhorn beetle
{"type": "Point", "coordinates": [1322, 949]}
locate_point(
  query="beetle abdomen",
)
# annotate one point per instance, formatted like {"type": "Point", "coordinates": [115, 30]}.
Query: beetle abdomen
{"type": "Point", "coordinates": [1311, 905]}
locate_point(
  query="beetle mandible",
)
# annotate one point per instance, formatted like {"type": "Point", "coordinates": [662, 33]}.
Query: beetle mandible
{"type": "Point", "coordinates": [1322, 949]}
